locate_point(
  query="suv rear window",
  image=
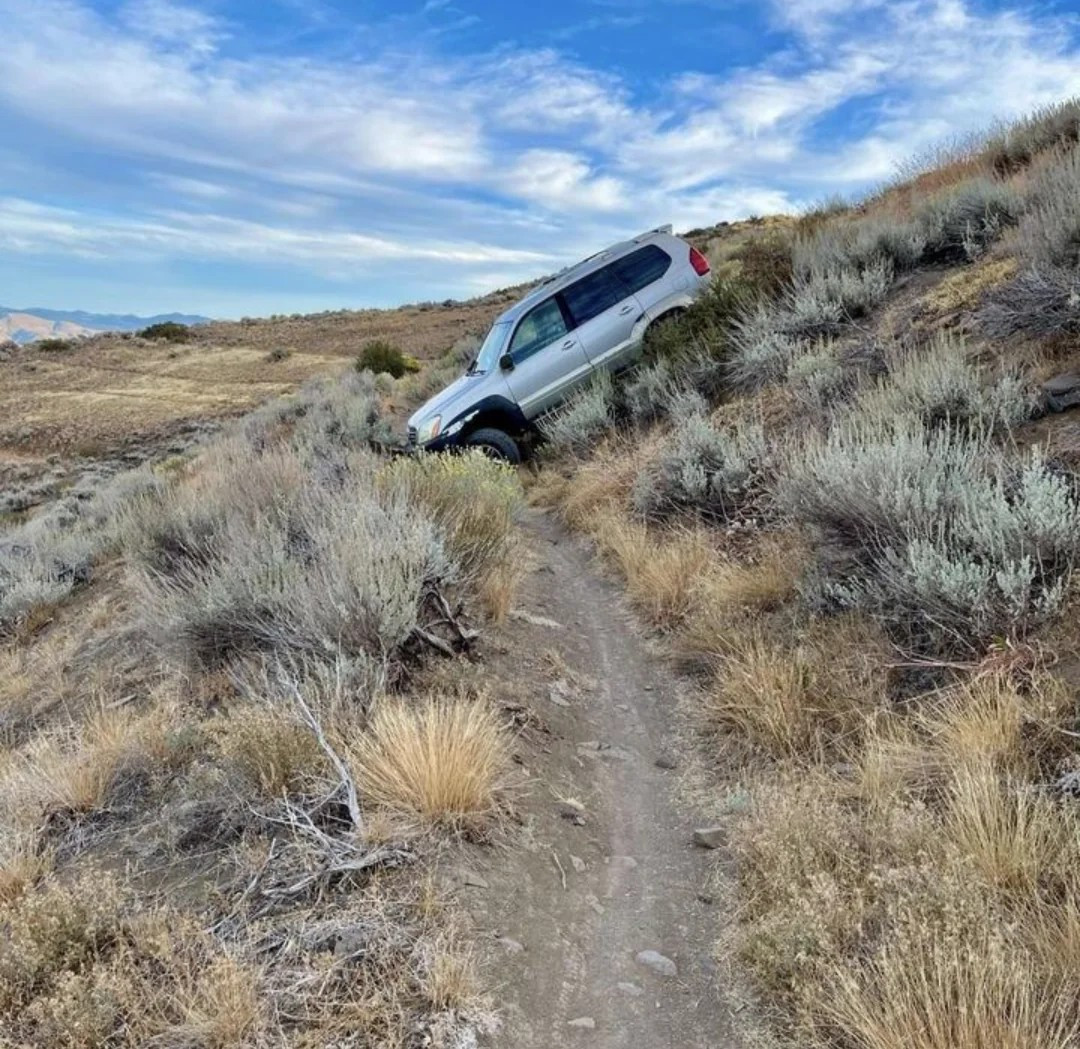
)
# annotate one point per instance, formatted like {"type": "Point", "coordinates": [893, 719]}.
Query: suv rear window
{"type": "Point", "coordinates": [640, 268]}
{"type": "Point", "coordinates": [593, 294]}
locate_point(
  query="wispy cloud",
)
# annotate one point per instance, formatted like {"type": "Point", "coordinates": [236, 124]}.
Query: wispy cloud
{"type": "Point", "coordinates": [510, 158]}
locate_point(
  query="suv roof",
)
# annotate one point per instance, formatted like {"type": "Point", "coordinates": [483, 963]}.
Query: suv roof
{"type": "Point", "coordinates": [572, 273]}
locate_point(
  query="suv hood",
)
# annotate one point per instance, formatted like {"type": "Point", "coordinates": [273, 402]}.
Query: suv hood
{"type": "Point", "coordinates": [443, 403]}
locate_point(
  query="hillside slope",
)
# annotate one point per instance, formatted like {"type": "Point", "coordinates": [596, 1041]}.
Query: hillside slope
{"type": "Point", "coordinates": [848, 501]}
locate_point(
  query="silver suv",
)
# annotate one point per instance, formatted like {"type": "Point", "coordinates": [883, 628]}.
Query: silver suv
{"type": "Point", "coordinates": [592, 316]}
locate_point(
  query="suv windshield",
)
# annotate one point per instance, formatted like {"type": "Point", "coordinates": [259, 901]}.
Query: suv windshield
{"type": "Point", "coordinates": [492, 350]}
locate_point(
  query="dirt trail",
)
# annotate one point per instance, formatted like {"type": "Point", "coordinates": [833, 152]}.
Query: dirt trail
{"type": "Point", "coordinates": [565, 956]}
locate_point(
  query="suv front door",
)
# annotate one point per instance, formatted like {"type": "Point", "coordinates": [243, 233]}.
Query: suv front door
{"type": "Point", "coordinates": [604, 313]}
{"type": "Point", "coordinates": [548, 357]}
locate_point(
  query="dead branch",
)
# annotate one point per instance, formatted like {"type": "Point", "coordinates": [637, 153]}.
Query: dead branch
{"type": "Point", "coordinates": [348, 786]}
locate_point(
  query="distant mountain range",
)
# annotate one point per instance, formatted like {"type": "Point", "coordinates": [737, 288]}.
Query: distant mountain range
{"type": "Point", "coordinates": [23, 326]}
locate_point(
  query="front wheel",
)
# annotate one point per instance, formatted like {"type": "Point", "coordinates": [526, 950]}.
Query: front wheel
{"type": "Point", "coordinates": [495, 444]}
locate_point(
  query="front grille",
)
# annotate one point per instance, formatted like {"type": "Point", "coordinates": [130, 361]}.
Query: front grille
{"type": "Point", "coordinates": [412, 435]}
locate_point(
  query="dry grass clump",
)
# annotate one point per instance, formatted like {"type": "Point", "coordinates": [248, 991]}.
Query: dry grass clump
{"type": "Point", "coordinates": [1017, 144]}
{"type": "Point", "coordinates": [798, 701]}
{"type": "Point", "coordinates": [932, 986]}
{"type": "Point", "coordinates": [661, 570]}
{"type": "Point", "coordinates": [78, 770]}
{"type": "Point", "coordinates": [442, 760]}
{"type": "Point", "coordinates": [270, 749]}
{"type": "Point", "coordinates": [84, 966]}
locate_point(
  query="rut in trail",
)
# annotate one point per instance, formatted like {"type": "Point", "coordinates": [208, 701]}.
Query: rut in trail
{"type": "Point", "coordinates": [565, 958]}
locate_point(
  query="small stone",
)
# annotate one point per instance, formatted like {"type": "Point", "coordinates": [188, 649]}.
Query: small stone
{"type": "Point", "coordinates": [624, 861]}
{"type": "Point", "coordinates": [475, 881]}
{"type": "Point", "coordinates": [594, 903]}
{"type": "Point", "coordinates": [710, 837]}
{"type": "Point", "coordinates": [533, 620]}
{"type": "Point", "coordinates": [559, 692]}
{"type": "Point", "coordinates": [578, 863]}
{"type": "Point", "coordinates": [666, 761]}
{"type": "Point", "coordinates": [1062, 391]}
{"type": "Point", "coordinates": [510, 946]}
{"type": "Point", "coordinates": [704, 897]}
{"type": "Point", "coordinates": [572, 814]}
{"type": "Point", "coordinates": [586, 1023]}
{"type": "Point", "coordinates": [631, 989]}
{"type": "Point", "coordinates": [659, 963]}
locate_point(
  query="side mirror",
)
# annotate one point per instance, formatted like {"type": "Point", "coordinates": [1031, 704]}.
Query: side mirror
{"type": "Point", "coordinates": [506, 362]}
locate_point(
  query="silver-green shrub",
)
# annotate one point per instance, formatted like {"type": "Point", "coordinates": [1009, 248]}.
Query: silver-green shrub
{"type": "Point", "coordinates": [941, 385]}
{"type": "Point", "coordinates": [932, 530]}
{"type": "Point", "coordinates": [1044, 298]}
{"type": "Point", "coordinates": [44, 559]}
{"type": "Point", "coordinates": [765, 340]}
{"type": "Point", "coordinates": [582, 419]}
{"type": "Point", "coordinates": [714, 472]}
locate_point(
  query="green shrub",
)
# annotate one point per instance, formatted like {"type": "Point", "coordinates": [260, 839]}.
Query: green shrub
{"type": "Point", "coordinates": [281, 556]}
{"type": "Point", "coordinates": [278, 353]}
{"type": "Point", "coordinates": [381, 357]}
{"type": "Point", "coordinates": [167, 331]}
{"type": "Point", "coordinates": [716, 473]}
{"type": "Point", "coordinates": [582, 419]}
{"type": "Point", "coordinates": [54, 345]}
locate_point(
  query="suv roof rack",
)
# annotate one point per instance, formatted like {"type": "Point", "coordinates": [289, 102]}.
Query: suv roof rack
{"type": "Point", "coordinates": [666, 228]}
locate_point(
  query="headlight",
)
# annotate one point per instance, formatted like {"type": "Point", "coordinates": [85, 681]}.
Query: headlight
{"type": "Point", "coordinates": [429, 430]}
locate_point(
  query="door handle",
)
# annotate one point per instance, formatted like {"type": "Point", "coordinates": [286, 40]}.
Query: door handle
{"type": "Point", "coordinates": [628, 308]}
{"type": "Point", "coordinates": [569, 344]}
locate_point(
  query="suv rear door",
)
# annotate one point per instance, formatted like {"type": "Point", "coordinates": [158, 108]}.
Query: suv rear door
{"type": "Point", "coordinates": [604, 313]}
{"type": "Point", "coordinates": [548, 358]}
{"type": "Point", "coordinates": [643, 272]}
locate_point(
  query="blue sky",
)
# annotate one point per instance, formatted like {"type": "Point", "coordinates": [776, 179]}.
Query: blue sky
{"type": "Point", "coordinates": [235, 157]}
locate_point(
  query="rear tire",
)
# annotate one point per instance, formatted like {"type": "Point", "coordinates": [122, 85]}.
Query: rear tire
{"type": "Point", "coordinates": [496, 444]}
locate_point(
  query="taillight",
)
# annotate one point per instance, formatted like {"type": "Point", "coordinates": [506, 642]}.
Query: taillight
{"type": "Point", "coordinates": [699, 262]}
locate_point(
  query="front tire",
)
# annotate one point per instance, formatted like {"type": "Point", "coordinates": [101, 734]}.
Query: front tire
{"type": "Point", "coordinates": [496, 444]}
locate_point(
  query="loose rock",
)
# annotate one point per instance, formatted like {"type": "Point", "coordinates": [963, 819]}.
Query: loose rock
{"type": "Point", "coordinates": [711, 837]}
{"type": "Point", "coordinates": [659, 963]}
{"type": "Point", "coordinates": [585, 1022]}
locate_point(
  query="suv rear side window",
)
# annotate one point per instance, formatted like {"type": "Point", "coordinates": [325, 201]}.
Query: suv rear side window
{"type": "Point", "coordinates": [540, 326]}
{"type": "Point", "coordinates": [640, 268]}
{"type": "Point", "coordinates": [593, 294]}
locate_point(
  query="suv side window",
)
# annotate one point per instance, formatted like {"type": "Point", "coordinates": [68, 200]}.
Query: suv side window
{"type": "Point", "coordinates": [542, 325]}
{"type": "Point", "coordinates": [593, 294]}
{"type": "Point", "coordinates": [640, 268]}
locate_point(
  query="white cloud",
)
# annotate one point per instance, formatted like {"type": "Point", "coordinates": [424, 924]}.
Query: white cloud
{"type": "Point", "coordinates": [30, 228]}
{"type": "Point", "coordinates": [173, 24]}
{"type": "Point", "coordinates": [506, 160]}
